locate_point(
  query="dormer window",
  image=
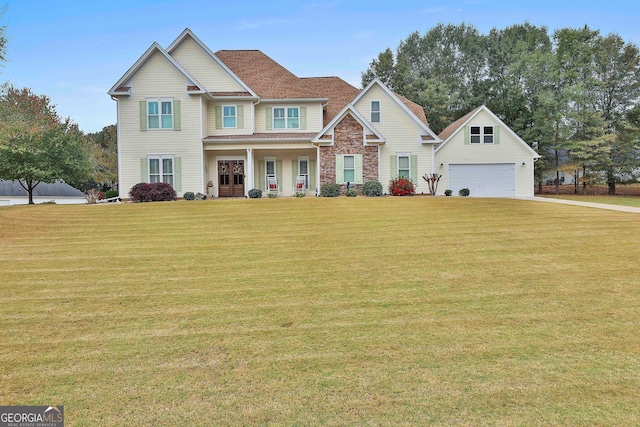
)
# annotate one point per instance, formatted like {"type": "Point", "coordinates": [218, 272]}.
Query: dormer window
{"type": "Point", "coordinates": [481, 134]}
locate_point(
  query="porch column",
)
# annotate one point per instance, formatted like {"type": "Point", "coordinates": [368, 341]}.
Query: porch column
{"type": "Point", "coordinates": [317, 171]}
{"type": "Point", "coordinates": [248, 172]}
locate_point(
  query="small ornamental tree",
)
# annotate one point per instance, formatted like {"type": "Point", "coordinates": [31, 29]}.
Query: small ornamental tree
{"type": "Point", "coordinates": [402, 187]}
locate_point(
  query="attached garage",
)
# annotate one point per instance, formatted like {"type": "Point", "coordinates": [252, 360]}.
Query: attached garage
{"type": "Point", "coordinates": [484, 180]}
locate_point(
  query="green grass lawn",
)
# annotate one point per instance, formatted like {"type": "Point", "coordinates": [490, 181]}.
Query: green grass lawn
{"type": "Point", "coordinates": [388, 311]}
{"type": "Point", "coordinates": [609, 200]}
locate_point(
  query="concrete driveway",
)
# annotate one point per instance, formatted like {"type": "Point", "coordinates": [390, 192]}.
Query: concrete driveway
{"type": "Point", "coordinates": [588, 204]}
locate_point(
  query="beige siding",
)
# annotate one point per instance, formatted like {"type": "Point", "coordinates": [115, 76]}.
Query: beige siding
{"type": "Point", "coordinates": [314, 117]}
{"type": "Point", "coordinates": [211, 119]}
{"type": "Point", "coordinates": [402, 135]}
{"type": "Point", "coordinates": [205, 69]}
{"type": "Point", "coordinates": [508, 150]}
{"type": "Point", "coordinates": [159, 78]}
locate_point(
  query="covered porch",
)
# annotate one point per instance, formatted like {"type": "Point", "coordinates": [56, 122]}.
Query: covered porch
{"type": "Point", "coordinates": [231, 171]}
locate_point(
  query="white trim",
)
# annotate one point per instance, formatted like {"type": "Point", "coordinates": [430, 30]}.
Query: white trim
{"type": "Point", "coordinates": [348, 109]}
{"type": "Point", "coordinates": [119, 146]}
{"type": "Point", "coordinates": [304, 159]}
{"type": "Point", "coordinates": [481, 135]}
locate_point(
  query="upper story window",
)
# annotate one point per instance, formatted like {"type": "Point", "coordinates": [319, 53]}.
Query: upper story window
{"type": "Point", "coordinates": [160, 113]}
{"type": "Point", "coordinates": [481, 134]}
{"type": "Point", "coordinates": [375, 111]}
{"type": "Point", "coordinates": [286, 118]}
{"type": "Point", "coordinates": [229, 117]}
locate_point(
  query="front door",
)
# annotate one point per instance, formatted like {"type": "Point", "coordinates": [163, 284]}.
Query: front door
{"type": "Point", "coordinates": [231, 178]}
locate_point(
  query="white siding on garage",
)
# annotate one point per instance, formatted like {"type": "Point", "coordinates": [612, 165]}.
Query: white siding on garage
{"type": "Point", "coordinates": [484, 180]}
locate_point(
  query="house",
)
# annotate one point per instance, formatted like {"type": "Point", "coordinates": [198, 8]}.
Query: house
{"type": "Point", "coordinates": [223, 123]}
{"type": "Point", "coordinates": [12, 193]}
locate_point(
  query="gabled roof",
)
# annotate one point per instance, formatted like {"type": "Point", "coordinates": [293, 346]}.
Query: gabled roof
{"type": "Point", "coordinates": [187, 33]}
{"type": "Point", "coordinates": [119, 89]}
{"type": "Point", "coordinates": [447, 134]}
{"type": "Point", "coordinates": [370, 131]}
{"type": "Point", "coordinates": [411, 109]}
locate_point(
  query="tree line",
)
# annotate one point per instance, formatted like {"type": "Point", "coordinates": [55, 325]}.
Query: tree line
{"type": "Point", "coordinates": [37, 145]}
{"type": "Point", "coordinates": [574, 92]}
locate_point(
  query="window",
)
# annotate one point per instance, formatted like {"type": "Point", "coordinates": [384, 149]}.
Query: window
{"type": "Point", "coordinates": [161, 170]}
{"type": "Point", "coordinates": [229, 118]}
{"type": "Point", "coordinates": [404, 166]}
{"type": "Point", "coordinates": [286, 118]}
{"type": "Point", "coordinates": [481, 134]}
{"type": "Point", "coordinates": [349, 169]}
{"type": "Point", "coordinates": [160, 113]}
{"type": "Point", "coordinates": [270, 170]}
{"type": "Point", "coordinates": [303, 170]}
{"type": "Point", "coordinates": [375, 111]}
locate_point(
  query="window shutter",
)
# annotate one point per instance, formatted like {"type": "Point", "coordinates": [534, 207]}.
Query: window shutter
{"type": "Point", "coordinates": [143, 116]}
{"type": "Point", "coordinates": [177, 174]}
{"type": "Point", "coordinates": [414, 169]}
{"type": "Point", "coordinates": [218, 117]}
{"type": "Point", "coordinates": [240, 116]}
{"type": "Point", "coordinates": [303, 117]}
{"type": "Point", "coordinates": [144, 170]}
{"type": "Point", "coordinates": [312, 174]}
{"type": "Point", "coordinates": [496, 134]}
{"type": "Point", "coordinates": [467, 135]}
{"type": "Point", "coordinates": [177, 119]}
{"type": "Point", "coordinates": [394, 167]}
{"type": "Point", "coordinates": [339, 169]}
{"type": "Point", "coordinates": [358, 177]}
{"type": "Point", "coordinates": [261, 176]}
{"type": "Point", "coordinates": [279, 174]}
{"type": "Point", "coordinates": [269, 115]}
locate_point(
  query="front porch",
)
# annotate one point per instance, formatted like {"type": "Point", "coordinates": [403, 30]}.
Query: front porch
{"type": "Point", "coordinates": [232, 172]}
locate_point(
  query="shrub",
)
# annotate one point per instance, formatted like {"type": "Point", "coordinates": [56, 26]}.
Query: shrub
{"type": "Point", "coordinates": [299, 194]}
{"type": "Point", "coordinates": [255, 193]}
{"type": "Point", "coordinates": [352, 192]}
{"type": "Point", "coordinates": [201, 196]}
{"type": "Point", "coordinates": [110, 194]}
{"type": "Point", "coordinates": [402, 187]}
{"type": "Point", "coordinates": [330, 189]}
{"type": "Point", "coordinates": [189, 195]}
{"type": "Point", "coordinates": [272, 195]}
{"type": "Point", "coordinates": [464, 192]}
{"type": "Point", "coordinates": [156, 192]}
{"type": "Point", "coordinates": [93, 196]}
{"type": "Point", "coordinates": [372, 189]}
{"type": "Point", "coordinates": [447, 192]}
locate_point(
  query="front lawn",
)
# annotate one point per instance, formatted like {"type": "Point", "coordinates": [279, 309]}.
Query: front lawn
{"type": "Point", "coordinates": [607, 200]}
{"type": "Point", "coordinates": [313, 311]}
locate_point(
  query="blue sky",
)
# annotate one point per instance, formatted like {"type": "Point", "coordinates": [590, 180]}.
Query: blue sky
{"type": "Point", "coordinates": [74, 51]}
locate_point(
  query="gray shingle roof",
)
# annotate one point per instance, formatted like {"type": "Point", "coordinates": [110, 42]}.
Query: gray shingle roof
{"type": "Point", "coordinates": [57, 189]}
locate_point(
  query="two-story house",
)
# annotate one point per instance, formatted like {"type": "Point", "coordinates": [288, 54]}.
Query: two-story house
{"type": "Point", "coordinates": [223, 123]}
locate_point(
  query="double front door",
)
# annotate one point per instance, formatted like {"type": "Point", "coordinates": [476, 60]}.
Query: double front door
{"type": "Point", "coordinates": [231, 178]}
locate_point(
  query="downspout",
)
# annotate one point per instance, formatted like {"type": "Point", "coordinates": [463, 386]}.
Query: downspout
{"type": "Point", "coordinates": [202, 189]}
{"type": "Point", "coordinates": [118, 144]}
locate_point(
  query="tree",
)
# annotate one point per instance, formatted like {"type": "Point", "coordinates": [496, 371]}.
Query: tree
{"type": "Point", "coordinates": [35, 145]}
{"type": "Point", "coordinates": [102, 149]}
{"type": "Point", "coordinates": [3, 38]}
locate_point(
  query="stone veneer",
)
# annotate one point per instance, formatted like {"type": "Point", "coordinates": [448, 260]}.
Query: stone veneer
{"type": "Point", "coordinates": [348, 139]}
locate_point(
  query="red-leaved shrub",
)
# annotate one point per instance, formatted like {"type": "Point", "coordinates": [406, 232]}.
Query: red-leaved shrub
{"type": "Point", "coordinates": [156, 192]}
{"type": "Point", "coordinates": [401, 187]}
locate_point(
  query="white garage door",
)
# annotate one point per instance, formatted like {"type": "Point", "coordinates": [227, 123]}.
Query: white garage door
{"type": "Point", "coordinates": [484, 180]}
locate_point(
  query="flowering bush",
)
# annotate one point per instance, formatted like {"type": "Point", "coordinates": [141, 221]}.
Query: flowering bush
{"type": "Point", "coordinates": [401, 187]}
{"type": "Point", "coordinates": [156, 192]}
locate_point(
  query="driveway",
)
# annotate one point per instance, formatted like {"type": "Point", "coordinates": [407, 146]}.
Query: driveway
{"type": "Point", "coordinates": [588, 204]}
